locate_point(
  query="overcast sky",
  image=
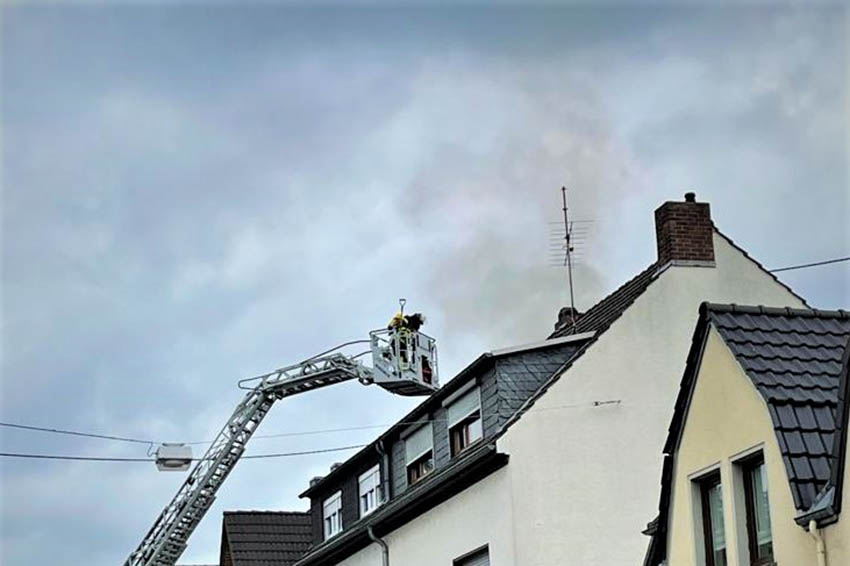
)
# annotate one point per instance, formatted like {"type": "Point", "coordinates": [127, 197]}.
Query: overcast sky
{"type": "Point", "coordinates": [196, 194]}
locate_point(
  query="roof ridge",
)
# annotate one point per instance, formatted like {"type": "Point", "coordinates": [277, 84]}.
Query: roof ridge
{"type": "Point", "coordinates": [649, 273]}
{"type": "Point", "coordinates": [773, 311]}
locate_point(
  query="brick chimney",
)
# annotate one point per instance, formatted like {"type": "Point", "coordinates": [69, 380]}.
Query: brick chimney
{"type": "Point", "coordinates": [684, 232]}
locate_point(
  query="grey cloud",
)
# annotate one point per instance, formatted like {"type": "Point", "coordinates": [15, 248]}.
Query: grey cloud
{"type": "Point", "coordinates": [197, 195]}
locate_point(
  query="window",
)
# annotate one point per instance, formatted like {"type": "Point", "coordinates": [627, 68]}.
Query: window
{"type": "Point", "coordinates": [758, 511]}
{"type": "Point", "coordinates": [480, 557]}
{"type": "Point", "coordinates": [464, 416]}
{"type": "Point", "coordinates": [419, 454]}
{"type": "Point", "coordinates": [370, 490]}
{"type": "Point", "coordinates": [332, 514]}
{"type": "Point", "coordinates": [714, 534]}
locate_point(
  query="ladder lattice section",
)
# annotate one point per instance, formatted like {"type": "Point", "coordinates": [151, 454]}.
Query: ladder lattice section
{"type": "Point", "coordinates": [167, 539]}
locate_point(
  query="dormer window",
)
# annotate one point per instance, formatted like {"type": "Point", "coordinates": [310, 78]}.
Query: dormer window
{"type": "Point", "coordinates": [419, 454]}
{"type": "Point", "coordinates": [332, 515]}
{"type": "Point", "coordinates": [369, 488]}
{"type": "Point", "coordinates": [464, 416]}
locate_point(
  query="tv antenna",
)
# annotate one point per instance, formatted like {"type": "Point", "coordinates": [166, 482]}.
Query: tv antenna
{"type": "Point", "coordinates": [562, 246]}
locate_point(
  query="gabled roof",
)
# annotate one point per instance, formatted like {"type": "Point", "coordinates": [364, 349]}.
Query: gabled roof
{"type": "Point", "coordinates": [601, 315]}
{"type": "Point", "coordinates": [264, 538]}
{"type": "Point", "coordinates": [798, 361]}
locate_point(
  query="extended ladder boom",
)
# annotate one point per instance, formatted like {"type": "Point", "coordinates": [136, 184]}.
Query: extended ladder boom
{"type": "Point", "coordinates": [167, 539]}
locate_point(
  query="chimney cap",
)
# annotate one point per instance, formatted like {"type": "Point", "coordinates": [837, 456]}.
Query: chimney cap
{"type": "Point", "coordinates": [690, 196]}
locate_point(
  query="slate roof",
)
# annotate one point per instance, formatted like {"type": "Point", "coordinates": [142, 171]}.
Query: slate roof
{"type": "Point", "coordinates": [520, 375]}
{"type": "Point", "coordinates": [264, 538]}
{"type": "Point", "coordinates": [799, 361]}
{"type": "Point", "coordinates": [795, 358]}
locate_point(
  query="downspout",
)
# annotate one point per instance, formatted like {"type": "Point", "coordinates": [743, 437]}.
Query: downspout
{"type": "Point", "coordinates": [820, 547]}
{"type": "Point", "coordinates": [385, 550]}
{"type": "Point", "coordinates": [385, 496]}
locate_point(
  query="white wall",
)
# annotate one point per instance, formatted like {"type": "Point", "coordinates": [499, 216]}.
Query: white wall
{"type": "Point", "coordinates": [477, 516]}
{"type": "Point", "coordinates": [583, 482]}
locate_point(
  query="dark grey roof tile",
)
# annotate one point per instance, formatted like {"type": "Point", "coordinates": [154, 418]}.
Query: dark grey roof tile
{"type": "Point", "coordinates": [794, 442]}
{"type": "Point", "coordinates": [806, 416]}
{"type": "Point", "coordinates": [814, 444]}
{"type": "Point", "coordinates": [825, 417]}
{"type": "Point", "coordinates": [820, 467]}
{"type": "Point", "coordinates": [806, 491]}
{"type": "Point", "coordinates": [783, 445]}
{"type": "Point", "coordinates": [786, 416]}
{"type": "Point", "coordinates": [802, 468]}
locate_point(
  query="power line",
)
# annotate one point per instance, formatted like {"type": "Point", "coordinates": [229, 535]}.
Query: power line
{"type": "Point", "coordinates": [76, 433]}
{"type": "Point", "coordinates": [279, 434]}
{"type": "Point", "coordinates": [815, 264]}
{"type": "Point", "coordinates": [328, 430]}
{"type": "Point", "coordinates": [110, 459]}
{"type": "Point", "coordinates": [198, 442]}
{"type": "Point", "coordinates": [304, 452]}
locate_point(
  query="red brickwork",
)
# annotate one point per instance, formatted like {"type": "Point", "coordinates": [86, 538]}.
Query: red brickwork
{"type": "Point", "coordinates": [683, 231]}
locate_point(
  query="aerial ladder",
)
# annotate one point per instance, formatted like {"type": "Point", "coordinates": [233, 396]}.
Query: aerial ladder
{"type": "Point", "coordinates": [404, 362]}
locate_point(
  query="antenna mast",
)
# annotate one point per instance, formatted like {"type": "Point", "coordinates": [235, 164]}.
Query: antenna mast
{"type": "Point", "coordinates": [569, 250]}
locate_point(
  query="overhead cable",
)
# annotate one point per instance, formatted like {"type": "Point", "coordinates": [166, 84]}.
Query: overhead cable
{"type": "Point", "coordinates": [76, 433]}
{"type": "Point", "coordinates": [290, 434]}
{"type": "Point", "coordinates": [806, 265]}
{"type": "Point", "coordinates": [116, 459]}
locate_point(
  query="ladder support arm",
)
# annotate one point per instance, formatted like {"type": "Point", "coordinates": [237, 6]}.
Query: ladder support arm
{"type": "Point", "coordinates": [167, 538]}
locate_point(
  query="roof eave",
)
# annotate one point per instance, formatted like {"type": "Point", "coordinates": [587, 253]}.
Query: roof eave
{"type": "Point", "coordinates": [823, 511]}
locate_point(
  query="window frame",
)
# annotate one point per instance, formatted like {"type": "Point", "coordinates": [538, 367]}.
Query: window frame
{"type": "Point", "coordinates": [379, 499]}
{"type": "Point", "coordinates": [748, 465]}
{"type": "Point", "coordinates": [420, 458]}
{"type": "Point", "coordinates": [705, 484]}
{"type": "Point", "coordinates": [475, 553]}
{"type": "Point", "coordinates": [462, 430]}
{"type": "Point", "coordinates": [336, 497]}
{"type": "Point", "coordinates": [463, 422]}
{"type": "Point", "coordinates": [420, 463]}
